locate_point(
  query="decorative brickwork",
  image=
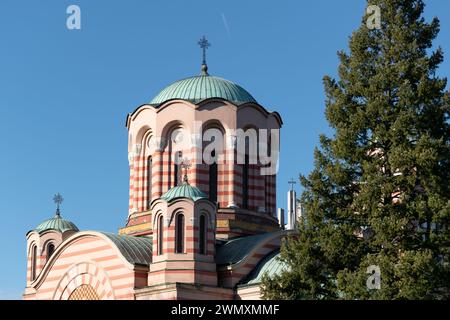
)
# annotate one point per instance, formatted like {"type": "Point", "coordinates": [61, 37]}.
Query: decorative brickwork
{"type": "Point", "coordinates": [175, 243]}
{"type": "Point", "coordinates": [84, 292]}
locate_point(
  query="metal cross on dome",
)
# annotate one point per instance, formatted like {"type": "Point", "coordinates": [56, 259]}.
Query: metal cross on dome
{"type": "Point", "coordinates": [204, 44]}
{"type": "Point", "coordinates": [292, 182]}
{"type": "Point", "coordinates": [58, 199]}
{"type": "Point", "coordinates": [185, 164]}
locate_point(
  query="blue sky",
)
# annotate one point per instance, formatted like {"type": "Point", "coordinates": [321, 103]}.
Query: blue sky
{"type": "Point", "coordinates": [64, 94]}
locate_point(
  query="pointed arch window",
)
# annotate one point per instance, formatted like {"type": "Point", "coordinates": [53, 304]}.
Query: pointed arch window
{"type": "Point", "coordinates": [50, 250]}
{"type": "Point", "coordinates": [33, 262]}
{"type": "Point", "coordinates": [179, 233]}
{"type": "Point", "coordinates": [202, 235]}
{"type": "Point", "coordinates": [160, 234]}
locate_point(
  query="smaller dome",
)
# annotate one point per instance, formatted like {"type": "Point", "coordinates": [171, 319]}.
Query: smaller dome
{"type": "Point", "coordinates": [184, 190]}
{"type": "Point", "coordinates": [56, 223]}
{"type": "Point", "coordinates": [270, 265]}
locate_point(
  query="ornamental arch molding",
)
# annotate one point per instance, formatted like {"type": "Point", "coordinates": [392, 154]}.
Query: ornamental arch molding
{"type": "Point", "coordinates": [86, 280]}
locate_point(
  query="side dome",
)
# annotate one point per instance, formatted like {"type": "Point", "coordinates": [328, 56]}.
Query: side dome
{"type": "Point", "coordinates": [202, 87]}
{"type": "Point", "coordinates": [270, 265]}
{"type": "Point", "coordinates": [56, 223]}
{"type": "Point", "coordinates": [184, 190]}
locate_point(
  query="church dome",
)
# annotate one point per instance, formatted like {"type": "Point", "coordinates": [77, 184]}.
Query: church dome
{"type": "Point", "coordinates": [184, 190]}
{"type": "Point", "coordinates": [198, 88]}
{"type": "Point", "coordinates": [56, 223]}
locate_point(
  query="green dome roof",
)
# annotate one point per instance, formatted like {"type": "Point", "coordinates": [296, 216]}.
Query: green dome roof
{"type": "Point", "coordinates": [270, 265]}
{"type": "Point", "coordinates": [184, 190]}
{"type": "Point", "coordinates": [199, 88]}
{"type": "Point", "coordinates": [58, 224]}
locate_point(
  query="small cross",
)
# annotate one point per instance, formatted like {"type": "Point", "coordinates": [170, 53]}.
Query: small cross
{"type": "Point", "coordinates": [58, 199]}
{"type": "Point", "coordinates": [204, 44]}
{"type": "Point", "coordinates": [292, 183]}
{"type": "Point", "coordinates": [185, 164]}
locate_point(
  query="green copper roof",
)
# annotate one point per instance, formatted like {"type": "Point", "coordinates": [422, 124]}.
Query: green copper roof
{"type": "Point", "coordinates": [184, 190]}
{"type": "Point", "coordinates": [137, 250]}
{"type": "Point", "coordinates": [58, 224]}
{"type": "Point", "coordinates": [269, 265]}
{"type": "Point", "coordinates": [235, 250]}
{"type": "Point", "coordinates": [199, 88]}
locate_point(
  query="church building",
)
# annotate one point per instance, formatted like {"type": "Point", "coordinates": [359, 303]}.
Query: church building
{"type": "Point", "coordinates": [196, 229]}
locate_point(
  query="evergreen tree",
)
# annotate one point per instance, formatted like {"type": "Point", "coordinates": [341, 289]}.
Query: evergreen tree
{"type": "Point", "coordinates": [379, 192]}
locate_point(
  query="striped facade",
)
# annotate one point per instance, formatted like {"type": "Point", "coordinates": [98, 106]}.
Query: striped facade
{"type": "Point", "coordinates": [160, 175]}
{"type": "Point", "coordinates": [90, 260]}
{"type": "Point", "coordinates": [153, 154]}
{"type": "Point", "coordinates": [171, 248]}
{"type": "Point", "coordinates": [189, 265]}
{"type": "Point", "coordinates": [87, 258]}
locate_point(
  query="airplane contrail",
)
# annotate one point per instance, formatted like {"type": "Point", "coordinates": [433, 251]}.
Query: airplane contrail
{"type": "Point", "coordinates": [225, 23]}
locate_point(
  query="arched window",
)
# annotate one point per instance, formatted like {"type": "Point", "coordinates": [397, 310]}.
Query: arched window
{"type": "Point", "coordinates": [213, 179]}
{"type": "Point", "coordinates": [202, 235]}
{"type": "Point", "coordinates": [245, 173]}
{"type": "Point", "coordinates": [160, 234]}
{"type": "Point", "coordinates": [177, 172]}
{"type": "Point", "coordinates": [179, 234]}
{"type": "Point", "coordinates": [149, 181]}
{"type": "Point", "coordinates": [33, 262]}
{"type": "Point", "coordinates": [50, 250]}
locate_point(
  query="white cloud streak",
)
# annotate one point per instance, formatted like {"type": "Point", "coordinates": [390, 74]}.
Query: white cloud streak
{"type": "Point", "coordinates": [225, 23]}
